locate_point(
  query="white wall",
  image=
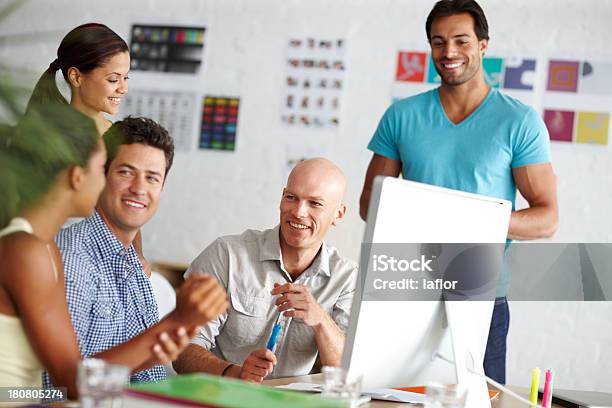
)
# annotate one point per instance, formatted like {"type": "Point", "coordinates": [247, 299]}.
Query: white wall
{"type": "Point", "coordinates": [214, 193]}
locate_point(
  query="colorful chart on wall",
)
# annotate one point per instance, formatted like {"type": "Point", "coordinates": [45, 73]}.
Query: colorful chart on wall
{"type": "Point", "coordinates": [416, 73]}
{"type": "Point", "coordinates": [562, 76]}
{"type": "Point", "coordinates": [166, 48]}
{"type": "Point", "coordinates": [578, 101]}
{"type": "Point", "coordinates": [219, 122]}
{"type": "Point", "coordinates": [502, 73]}
{"type": "Point", "coordinates": [577, 95]}
{"type": "Point", "coordinates": [315, 78]}
{"type": "Point", "coordinates": [578, 126]}
{"type": "Point", "coordinates": [173, 110]}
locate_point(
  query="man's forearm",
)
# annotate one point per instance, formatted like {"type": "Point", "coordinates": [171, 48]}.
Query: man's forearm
{"type": "Point", "coordinates": [330, 342]}
{"type": "Point", "coordinates": [533, 223]}
{"type": "Point", "coordinates": [364, 202]}
{"type": "Point", "coordinates": [196, 359]}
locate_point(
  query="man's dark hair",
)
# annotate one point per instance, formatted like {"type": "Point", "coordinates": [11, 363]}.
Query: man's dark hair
{"type": "Point", "coordinates": [445, 8]}
{"type": "Point", "coordinates": [138, 130]}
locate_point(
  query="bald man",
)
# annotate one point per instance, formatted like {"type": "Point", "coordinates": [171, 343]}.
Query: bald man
{"type": "Point", "coordinates": [286, 270]}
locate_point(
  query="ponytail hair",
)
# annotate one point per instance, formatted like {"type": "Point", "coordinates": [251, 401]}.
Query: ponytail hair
{"type": "Point", "coordinates": [46, 90]}
{"type": "Point", "coordinates": [85, 48]}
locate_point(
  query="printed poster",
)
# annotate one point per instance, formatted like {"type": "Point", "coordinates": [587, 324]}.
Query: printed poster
{"type": "Point", "coordinates": [315, 79]}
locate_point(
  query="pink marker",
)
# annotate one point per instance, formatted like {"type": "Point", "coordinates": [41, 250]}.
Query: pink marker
{"type": "Point", "coordinates": [547, 395]}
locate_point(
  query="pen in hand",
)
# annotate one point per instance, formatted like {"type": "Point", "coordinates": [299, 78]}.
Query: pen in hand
{"type": "Point", "coordinates": [274, 335]}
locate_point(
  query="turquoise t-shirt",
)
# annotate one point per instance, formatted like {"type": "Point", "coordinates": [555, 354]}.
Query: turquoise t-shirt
{"type": "Point", "coordinates": [477, 155]}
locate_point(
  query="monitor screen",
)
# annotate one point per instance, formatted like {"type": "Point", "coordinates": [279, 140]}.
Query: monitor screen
{"type": "Point", "coordinates": [390, 342]}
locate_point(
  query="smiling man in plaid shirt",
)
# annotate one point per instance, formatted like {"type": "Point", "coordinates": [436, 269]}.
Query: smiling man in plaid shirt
{"type": "Point", "coordinates": [109, 295]}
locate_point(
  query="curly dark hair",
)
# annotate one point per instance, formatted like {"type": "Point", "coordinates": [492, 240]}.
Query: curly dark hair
{"type": "Point", "coordinates": [445, 8]}
{"type": "Point", "coordinates": [138, 130]}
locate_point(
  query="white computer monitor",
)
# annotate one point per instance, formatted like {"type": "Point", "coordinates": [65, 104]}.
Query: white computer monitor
{"type": "Point", "coordinates": [391, 343]}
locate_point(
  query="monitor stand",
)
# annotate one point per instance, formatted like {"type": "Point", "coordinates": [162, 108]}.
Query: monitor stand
{"type": "Point", "coordinates": [467, 321]}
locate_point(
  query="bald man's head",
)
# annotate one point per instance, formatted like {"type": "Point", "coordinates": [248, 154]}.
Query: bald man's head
{"type": "Point", "coordinates": [319, 175]}
{"type": "Point", "coordinates": [311, 202]}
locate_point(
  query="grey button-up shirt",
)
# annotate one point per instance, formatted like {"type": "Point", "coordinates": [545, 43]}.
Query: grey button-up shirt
{"type": "Point", "coordinates": [248, 265]}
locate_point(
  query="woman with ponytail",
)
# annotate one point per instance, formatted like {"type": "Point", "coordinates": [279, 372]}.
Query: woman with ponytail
{"type": "Point", "coordinates": [95, 62]}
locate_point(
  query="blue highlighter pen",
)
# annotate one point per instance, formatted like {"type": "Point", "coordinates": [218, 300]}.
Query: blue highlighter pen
{"type": "Point", "coordinates": [274, 335]}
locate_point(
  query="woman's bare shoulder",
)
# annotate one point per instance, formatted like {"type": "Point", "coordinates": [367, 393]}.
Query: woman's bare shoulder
{"type": "Point", "coordinates": [25, 256]}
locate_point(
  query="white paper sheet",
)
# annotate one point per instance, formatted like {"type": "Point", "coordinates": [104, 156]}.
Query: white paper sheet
{"type": "Point", "coordinates": [384, 394]}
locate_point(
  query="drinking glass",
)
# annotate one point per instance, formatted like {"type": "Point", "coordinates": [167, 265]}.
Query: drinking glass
{"type": "Point", "coordinates": [337, 385]}
{"type": "Point", "coordinates": [101, 384]}
{"type": "Point", "coordinates": [445, 396]}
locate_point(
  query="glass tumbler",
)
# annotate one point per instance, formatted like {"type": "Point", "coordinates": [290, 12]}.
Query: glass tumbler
{"type": "Point", "coordinates": [445, 396]}
{"type": "Point", "coordinates": [337, 385]}
{"type": "Point", "coordinates": [101, 384]}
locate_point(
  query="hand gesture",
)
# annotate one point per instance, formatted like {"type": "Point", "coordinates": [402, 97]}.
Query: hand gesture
{"type": "Point", "coordinates": [297, 301]}
{"type": "Point", "coordinates": [200, 300]}
{"type": "Point", "coordinates": [168, 348]}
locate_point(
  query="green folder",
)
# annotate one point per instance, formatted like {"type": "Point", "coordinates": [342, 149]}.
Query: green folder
{"type": "Point", "coordinates": [214, 391]}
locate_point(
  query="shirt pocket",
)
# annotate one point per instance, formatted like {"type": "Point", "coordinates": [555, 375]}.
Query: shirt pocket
{"type": "Point", "coordinates": [248, 319]}
{"type": "Point", "coordinates": [105, 323]}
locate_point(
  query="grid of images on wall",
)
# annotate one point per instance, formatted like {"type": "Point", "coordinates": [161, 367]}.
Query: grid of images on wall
{"type": "Point", "coordinates": [314, 82]}
{"type": "Point", "coordinates": [580, 79]}
{"type": "Point", "coordinates": [588, 80]}
{"type": "Point", "coordinates": [219, 123]}
{"type": "Point", "coordinates": [166, 48]}
{"type": "Point", "coordinates": [502, 73]}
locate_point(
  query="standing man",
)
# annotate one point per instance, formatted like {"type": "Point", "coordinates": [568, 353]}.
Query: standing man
{"type": "Point", "coordinates": [286, 270]}
{"type": "Point", "coordinates": [467, 136]}
{"type": "Point", "coordinates": [109, 295]}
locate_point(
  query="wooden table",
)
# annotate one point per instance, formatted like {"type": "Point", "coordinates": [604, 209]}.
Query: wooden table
{"type": "Point", "coordinates": [503, 401]}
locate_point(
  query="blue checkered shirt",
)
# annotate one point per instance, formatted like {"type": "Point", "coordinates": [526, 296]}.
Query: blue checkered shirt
{"type": "Point", "coordinates": [109, 296]}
